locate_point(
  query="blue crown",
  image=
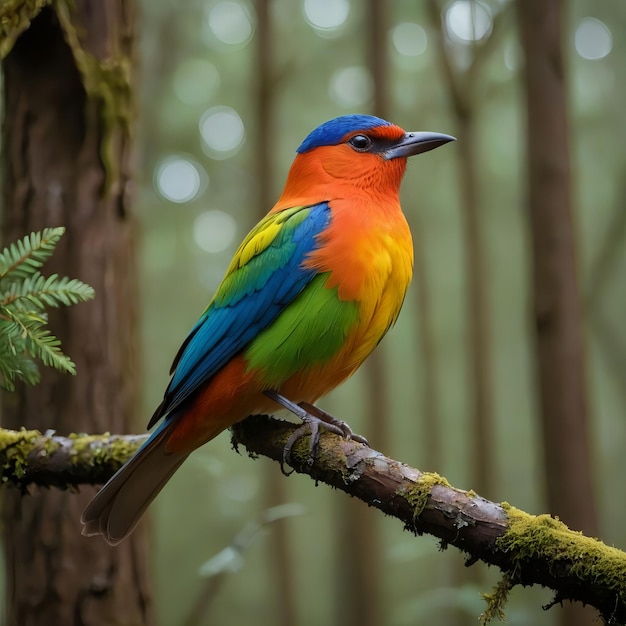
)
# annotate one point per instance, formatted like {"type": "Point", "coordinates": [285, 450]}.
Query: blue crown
{"type": "Point", "coordinates": [332, 132]}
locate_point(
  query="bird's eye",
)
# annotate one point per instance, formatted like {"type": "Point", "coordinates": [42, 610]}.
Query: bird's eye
{"type": "Point", "coordinates": [360, 143]}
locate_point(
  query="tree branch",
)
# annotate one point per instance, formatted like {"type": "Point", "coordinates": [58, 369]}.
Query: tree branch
{"type": "Point", "coordinates": [528, 549]}
{"type": "Point", "coordinates": [29, 458]}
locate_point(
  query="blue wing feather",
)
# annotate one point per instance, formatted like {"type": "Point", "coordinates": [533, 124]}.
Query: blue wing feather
{"type": "Point", "coordinates": [249, 299]}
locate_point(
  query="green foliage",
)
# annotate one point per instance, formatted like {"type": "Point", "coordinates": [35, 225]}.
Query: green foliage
{"type": "Point", "coordinates": [24, 296]}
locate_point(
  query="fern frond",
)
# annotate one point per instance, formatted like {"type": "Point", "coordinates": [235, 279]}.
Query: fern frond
{"type": "Point", "coordinates": [24, 337]}
{"type": "Point", "coordinates": [24, 297]}
{"type": "Point", "coordinates": [52, 291]}
{"type": "Point", "coordinates": [15, 362]}
{"type": "Point", "coordinates": [22, 258]}
{"type": "Point", "coordinates": [42, 344]}
{"type": "Point", "coordinates": [10, 330]}
{"type": "Point", "coordinates": [17, 366]}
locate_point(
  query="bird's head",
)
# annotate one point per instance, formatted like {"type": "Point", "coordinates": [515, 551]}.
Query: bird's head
{"type": "Point", "coordinates": [359, 152]}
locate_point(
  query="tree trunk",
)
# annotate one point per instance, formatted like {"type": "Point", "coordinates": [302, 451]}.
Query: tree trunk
{"type": "Point", "coordinates": [557, 304]}
{"type": "Point", "coordinates": [462, 89]}
{"type": "Point", "coordinates": [604, 278]}
{"type": "Point", "coordinates": [67, 108]}
{"type": "Point", "coordinates": [359, 563]}
{"type": "Point", "coordinates": [430, 418]}
{"type": "Point", "coordinates": [479, 335]}
{"type": "Point", "coordinates": [276, 490]}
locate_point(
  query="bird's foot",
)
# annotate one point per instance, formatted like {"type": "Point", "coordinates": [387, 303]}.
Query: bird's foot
{"type": "Point", "coordinates": [313, 418]}
{"type": "Point", "coordinates": [332, 424]}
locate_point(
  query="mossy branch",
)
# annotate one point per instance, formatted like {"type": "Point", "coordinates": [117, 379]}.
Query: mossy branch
{"type": "Point", "coordinates": [28, 457]}
{"type": "Point", "coordinates": [528, 549]}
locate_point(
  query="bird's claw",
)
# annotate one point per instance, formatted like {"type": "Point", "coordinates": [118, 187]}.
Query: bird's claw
{"type": "Point", "coordinates": [332, 424]}
{"type": "Point", "coordinates": [313, 418]}
{"type": "Point", "coordinates": [309, 427]}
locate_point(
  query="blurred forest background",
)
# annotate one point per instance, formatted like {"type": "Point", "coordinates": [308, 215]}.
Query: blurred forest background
{"type": "Point", "coordinates": [226, 92]}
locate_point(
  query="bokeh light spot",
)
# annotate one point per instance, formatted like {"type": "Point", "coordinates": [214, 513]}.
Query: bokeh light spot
{"type": "Point", "coordinates": [179, 179]}
{"type": "Point", "coordinates": [230, 22]}
{"type": "Point", "coordinates": [214, 230]}
{"type": "Point", "coordinates": [468, 20]}
{"type": "Point", "coordinates": [326, 14]}
{"type": "Point", "coordinates": [222, 132]}
{"type": "Point", "coordinates": [512, 55]}
{"type": "Point", "coordinates": [593, 39]}
{"type": "Point", "coordinates": [351, 86]}
{"type": "Point", "coordinates": [409, 39]}
{"type": "Point", "coordinates": [196, 81]}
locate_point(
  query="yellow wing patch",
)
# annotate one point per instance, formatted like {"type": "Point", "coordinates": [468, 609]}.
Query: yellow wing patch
{"type": "Point", "coordinates": [261, 237]}
{"type": "Point", "coordinates": [257, 243]}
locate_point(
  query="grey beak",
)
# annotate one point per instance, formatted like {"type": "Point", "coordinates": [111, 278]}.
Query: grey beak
{"type": "Point", "coordinates": [416, 143]}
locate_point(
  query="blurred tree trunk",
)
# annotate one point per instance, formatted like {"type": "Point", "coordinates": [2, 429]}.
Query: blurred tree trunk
{"type": "Point", "coordinates": [375, 368]}
{"type": "Point", "coordinates": [479, 323]}
{"type": "Point", "coordinates": [275, 485]}
{"type": "Point", "coordinates": [359, 566]}
{"type": "Point", "coordinates": [557, 313]}
{"type": "Point", "coordinates": [462, 89]}
{"type": "Point", "coordinates": [67, 112]}
{"type": "Point", "coordinates": [431, 433]}
{"type": "Point", "coordinates": [608, 332]}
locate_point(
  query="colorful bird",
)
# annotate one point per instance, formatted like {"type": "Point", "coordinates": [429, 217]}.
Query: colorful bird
{"type": "Point", "coordinates": [308, 295]}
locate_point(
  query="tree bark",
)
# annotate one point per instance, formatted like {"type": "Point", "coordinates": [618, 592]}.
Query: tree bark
{"type": "Point", "coordinates": [66, 140]}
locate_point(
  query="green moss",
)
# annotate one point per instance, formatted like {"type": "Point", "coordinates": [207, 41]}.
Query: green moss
{"type": "Point", "coordinates": [15, 18]}
{"type": "Point", "coordinates": [529, 537]}
{"type": "Point", "coordinates": [496, 600]}
{"type": "Point", "coordinates": [108, 83]}
{"type": "Point", "coordinates": [325, 455]}
{"type": "Point", "coordinates": [15, 446]}
{"type": "Point", "coordinates": [418, 492]}
{"type": "Point", "coordinates": [100, 450]}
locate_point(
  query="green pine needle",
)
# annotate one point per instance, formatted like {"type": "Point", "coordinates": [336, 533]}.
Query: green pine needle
{"type": "Point", "coordinates": [42, 292]}
{"type": "Point", "coordinates": [25, 294]}
{"type": "Point", "coordinates": [24, 256]}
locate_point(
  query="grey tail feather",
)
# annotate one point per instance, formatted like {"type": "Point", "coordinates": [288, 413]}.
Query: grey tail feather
{"type": "Point", "coordinates": [118, 506]}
